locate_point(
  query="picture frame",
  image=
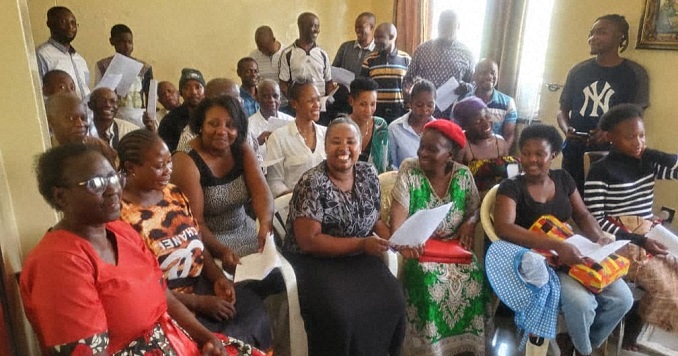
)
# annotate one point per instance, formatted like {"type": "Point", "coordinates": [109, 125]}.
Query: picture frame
{"type": "Point", "coordinates": [659, 25]}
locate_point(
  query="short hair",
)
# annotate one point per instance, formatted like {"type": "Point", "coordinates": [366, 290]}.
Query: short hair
{"type": "Point", "coordinates": [119, 29]}
{"type": "Point", "coordinates": [132, 146]}
{"type": "Point", "coordinates": [233, 107]}
{"type": "Point", "coordinates": [51, 166]}
{"type": "Point", "coordinates": [263, 30]}
{"type": "Point", "coordinates": [361, 84]}
{"type": "Point", "coordinates": [305, 15]}
{"type": "Point", "coordinates": [294, 90]}
{"type": "Point", "coordinates": [52, 75]}
{"type": "Point", "coordinates": [343, 119]}
{"type": "Point", "coordinates": [267, 82]}
{"type": "Point", "coordinates": [547, 133]}
{"type": "Point", "coordinates": [618, 114]}
{"type": "Point", "coordinates": [55, 10]}
{"type": "Point", "coordinates": [422, 86]}
{"type": "Point", "coordinates": [370, 16]}
{"type": "Point", "coordinates": [56, 102]}
{"type": "Point", "coordinates": [622, 25]}
{"type": "Point", "coordinates": [244, 60]}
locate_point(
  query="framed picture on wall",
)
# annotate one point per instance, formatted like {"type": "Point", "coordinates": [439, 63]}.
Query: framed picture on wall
{"type": "Point", "coordinates": [659, 25]}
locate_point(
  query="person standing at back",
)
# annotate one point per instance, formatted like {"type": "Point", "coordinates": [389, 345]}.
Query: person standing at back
{"type": "Point", "coordinates": [593, 87]}
{"type": "Point", "coordinates": [303, 60]}
{"type": "Point", "coordinates": [387, 66]}
{"type": "Point", "coordinates": [351, 54]}
{"type": "Point", "coordinates": [440, 59]}
{"type": "Point", "coordinates": [267, 53]}
{"type": "Point", "coordinates": [57, 52]}
{"type": "Point", "coordinates": [137, 96]}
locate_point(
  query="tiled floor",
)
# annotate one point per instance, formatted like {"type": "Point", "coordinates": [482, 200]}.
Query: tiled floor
{"type": "Point", "coordinates": [505, 340]}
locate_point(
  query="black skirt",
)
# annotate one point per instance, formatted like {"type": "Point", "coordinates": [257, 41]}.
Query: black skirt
{"type": "Point", "coordinates": [350, 305]}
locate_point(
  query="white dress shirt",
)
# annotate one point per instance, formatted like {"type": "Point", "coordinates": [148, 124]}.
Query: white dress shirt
{"type": "Point", "coordinates": [259, 124]}
{"type": "Point", "coordinates": [288, 143]}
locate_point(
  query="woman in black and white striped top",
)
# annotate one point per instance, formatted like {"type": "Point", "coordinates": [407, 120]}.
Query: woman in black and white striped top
{"type": "Point", "coordinates": [622, 185]}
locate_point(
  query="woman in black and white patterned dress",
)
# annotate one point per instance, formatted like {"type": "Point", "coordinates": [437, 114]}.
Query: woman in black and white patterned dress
{"type": "Point", "coordinates": [350, 302]}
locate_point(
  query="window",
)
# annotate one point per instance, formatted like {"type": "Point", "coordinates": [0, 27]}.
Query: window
{"type": "Point", "coordinates": [471, 18]}
{"type": "Point", "coordinates": [533, 57]}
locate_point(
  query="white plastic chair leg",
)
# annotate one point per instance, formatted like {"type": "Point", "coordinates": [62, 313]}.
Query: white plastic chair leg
{"type": "Point", "coordinates": [298, 340]}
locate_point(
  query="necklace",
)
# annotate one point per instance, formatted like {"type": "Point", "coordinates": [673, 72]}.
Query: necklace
{"type": "Point", "coordinates": [365, 133]}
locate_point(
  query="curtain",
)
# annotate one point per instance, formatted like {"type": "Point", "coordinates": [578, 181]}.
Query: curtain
{"type": "Point", "coordinates": [503, 38]}
{"type": "Point", "coordinates": [412, 18]}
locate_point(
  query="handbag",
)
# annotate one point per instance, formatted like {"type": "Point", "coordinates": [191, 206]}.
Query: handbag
{"type": "Point", "coordinates": [594, 276]}
{"type": "Point", "coordinates": [445, 251]}
{"type": "Point", "coordinates": [634, 224]}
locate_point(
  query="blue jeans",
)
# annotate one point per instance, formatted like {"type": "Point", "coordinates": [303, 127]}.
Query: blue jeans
{"type": "Point", "coordinates": [590, 318]}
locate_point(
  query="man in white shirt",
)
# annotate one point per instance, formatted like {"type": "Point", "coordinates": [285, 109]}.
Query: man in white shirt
{"type": "Point", "coordinates": [57, 52]}
{"type": "Point", "coordinates": [260, 124]}
{"type": "Point", "coordinates": [104, 105]}
{"type": "Point", "coordinates": [303, 60]}
{"type": "Point", "coordinates": [267, 53]}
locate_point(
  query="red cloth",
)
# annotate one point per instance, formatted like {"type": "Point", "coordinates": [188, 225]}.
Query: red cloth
{"type": "Point", "coordinates": [69, 293]}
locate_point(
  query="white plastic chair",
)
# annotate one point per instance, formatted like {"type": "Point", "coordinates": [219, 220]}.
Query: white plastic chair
{"type": "Point", "coordinates": [298, 339]}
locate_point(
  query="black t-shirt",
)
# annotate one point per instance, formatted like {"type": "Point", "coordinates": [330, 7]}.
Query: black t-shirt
{"type": "Point", "coordinates": [590, 90]}
{"type": "Point", "coordinates": [528, 210]}
{"type": "Point", "coordinates": [172, 125]}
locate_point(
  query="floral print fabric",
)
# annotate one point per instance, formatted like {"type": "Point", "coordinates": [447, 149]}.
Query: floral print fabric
{"type": "Point", "coordinates": [445, 302]}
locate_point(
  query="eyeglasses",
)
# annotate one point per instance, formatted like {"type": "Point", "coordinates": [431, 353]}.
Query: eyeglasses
{"type": "Point", "coordinates": [98, 185]}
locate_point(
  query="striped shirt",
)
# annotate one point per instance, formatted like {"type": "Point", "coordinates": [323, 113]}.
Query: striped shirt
{"type": "Point", "coordinates": [619, 185]}
{"type": "Point", "coordinates": [388, 70]}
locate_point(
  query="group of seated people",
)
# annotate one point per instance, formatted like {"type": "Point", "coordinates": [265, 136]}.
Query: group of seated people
{"type": "Point", "coordinates": [150, 212]}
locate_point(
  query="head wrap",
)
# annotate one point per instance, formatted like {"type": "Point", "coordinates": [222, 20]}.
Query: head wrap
{"type": "Point", "coordinates": [190, 74]}
{"type": "Point", "coordinates": [466, 108]}
{"type": "Point", "coordinates": [449, 129]}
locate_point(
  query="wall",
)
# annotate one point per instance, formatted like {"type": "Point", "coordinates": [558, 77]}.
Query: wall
{"type": "Point", "coordinates": [23, 214]}
{"type": "Point", "coordinates": [571, 23]}
{"type": "Point", "coordinates": [208, 34]}
{"type": "Point", "coordinates": [211, 35]}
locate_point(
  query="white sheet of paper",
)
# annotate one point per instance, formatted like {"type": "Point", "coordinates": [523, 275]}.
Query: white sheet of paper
{"type": "Point", "coordinates": [128, 68]}
{"type": "Point", "coordinates": [152, 104]}
{"type": "Point", "coordinates": [324, 99]}
{"type": "Point", "coordinates": [258, 265]}
{"type": "Point", "coordinates": [592, 250]}
{"type": "Point", "coordinates": [342, 76]}
{"type": "Point", "coordinates": [445, 95]}
{"type": "Point", "coordinates": [271, 162]}
{"type": "Point", "coordinates": [666, 237]}
{"type": "Point", "coordinates": [419, 227]}
{"type": "Point", "coordinates": [274, 123]}
{"type": "Point", "coordinates": [512, 170]}
{"type": "Point", "coordinates": [109, 81]}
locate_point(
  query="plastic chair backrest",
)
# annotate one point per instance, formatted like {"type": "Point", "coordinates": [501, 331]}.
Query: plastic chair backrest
{"type": "Point", "coordinates": [387, 182]}
{"type": "Point", "coordinates": [487, 213]}
{"type": "Point", "coordinates": [282, 209]}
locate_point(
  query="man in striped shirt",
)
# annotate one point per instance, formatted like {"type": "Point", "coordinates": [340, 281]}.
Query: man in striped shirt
{"type": "Point", "coordinates": [387, 66]}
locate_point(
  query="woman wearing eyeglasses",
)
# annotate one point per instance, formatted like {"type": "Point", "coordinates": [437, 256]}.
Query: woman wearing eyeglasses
{"type": "Point", "coordinates": [91, 286]}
